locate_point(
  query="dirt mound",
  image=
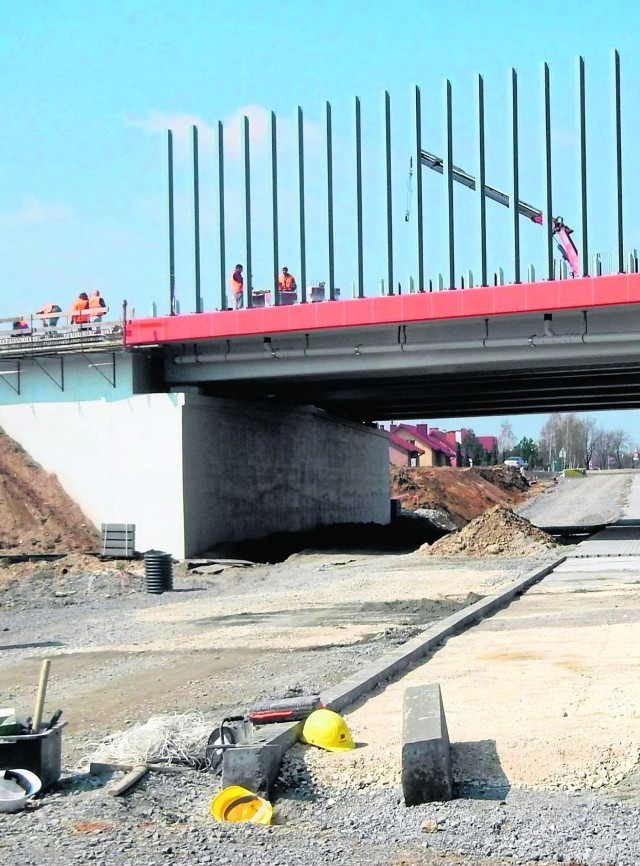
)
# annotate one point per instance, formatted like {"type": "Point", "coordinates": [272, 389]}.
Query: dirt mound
{"type": "Point", "coordinates": [462, 493]}
{"type": "Point", "coordinates": [497, 532]}
{"type": "Point", "coordinates": [36, 515]}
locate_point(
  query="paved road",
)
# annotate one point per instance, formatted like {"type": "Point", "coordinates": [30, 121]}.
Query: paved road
{"type": "Point", "coordinates": [599, 497]}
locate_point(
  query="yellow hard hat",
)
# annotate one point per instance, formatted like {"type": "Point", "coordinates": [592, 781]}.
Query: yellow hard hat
{"type": "Point", "coordinates": [237, 804]}
{"type": "Point", "coordinates": [328, 730]}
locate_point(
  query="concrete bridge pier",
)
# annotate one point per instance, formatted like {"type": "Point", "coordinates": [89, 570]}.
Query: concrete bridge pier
{"type": "Point", "coordinates": [191, 471]}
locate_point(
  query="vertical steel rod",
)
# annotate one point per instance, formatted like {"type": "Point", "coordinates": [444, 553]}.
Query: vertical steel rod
{"type": "Point", "coordinates": [247, 212]}
{"type": "Point", "coordinates": [452, 249]}
{"type": "Point", "coordinates": [418, 171]}
{"type": "Point", "coordinates": [196, 217]}
{"type": "Point", "coordinates": [583, 167]}
{"type": "Point", "coordinates": [332, 288]}
{"type": "Point", "coordinates": [547, 159]}
{"type": "Point", "coordinates": [516, 180]}
{"type": "Point", "coordinates": [387, 140]}
{"type": "Point", "coordinates": [482, 201]}
{"type": "Point", "coordinates": [172, 244]}
{"type": "Point", "coordinates": [359, 199]}
{"type": "Point", "coordinates": [223, 276]}
{"type": "Point", "coordinates": [303, 250]}
{"type": "Point", "coordinates": [616, 70]}
{"type": "Point", "coordinates": [274, 208]}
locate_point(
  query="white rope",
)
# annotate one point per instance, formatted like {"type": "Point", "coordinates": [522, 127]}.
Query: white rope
{"type": "Point", "coordinates": [180, 738]}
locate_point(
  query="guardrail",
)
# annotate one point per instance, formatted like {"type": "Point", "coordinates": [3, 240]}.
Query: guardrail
{"type": "Point", "coordinates": [35, 334]}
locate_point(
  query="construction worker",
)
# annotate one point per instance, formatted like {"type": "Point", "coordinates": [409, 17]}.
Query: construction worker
{"type": "Point", "coordinates": [237, 287]}
{"type": "Point", "coordinates": [97, 306]}
{"type": "Point", "coordinates": [81, 303]}
{"type": "Point", "coordinates": [286, 281]}
{"type": "Point", "coordinates": [287, 287]}
{"type": "Point", "coordinates": [49, 308]}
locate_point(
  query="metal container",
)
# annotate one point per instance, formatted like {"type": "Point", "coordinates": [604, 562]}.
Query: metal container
{"type": "Point", "coordinates": [158, 572]}
{"type": "Point", "coordinates": [41, 753]}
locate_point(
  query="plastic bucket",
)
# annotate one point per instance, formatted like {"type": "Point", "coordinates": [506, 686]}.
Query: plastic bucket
{"type": "Point", "coordinates": [16, 787]}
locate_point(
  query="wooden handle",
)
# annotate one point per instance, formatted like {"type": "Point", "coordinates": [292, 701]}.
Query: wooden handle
{"type": "Point", "coordinates": [97, 768]}
{"type": "Point", "coordinates": [129, 780]}
{"type": "Point", "coordinates": [42, 690]}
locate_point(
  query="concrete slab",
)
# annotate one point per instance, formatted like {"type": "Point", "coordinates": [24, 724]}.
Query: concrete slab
{"type": "Point", "coordinates": [426, 754]}
{"type": "Point", "coordinates": [612, 541]}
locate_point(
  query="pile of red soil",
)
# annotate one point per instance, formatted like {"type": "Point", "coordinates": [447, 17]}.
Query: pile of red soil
{"type": "Point", "coordinates": [463, 494]}
{"type": "Point", "coordinates": [36, 515]}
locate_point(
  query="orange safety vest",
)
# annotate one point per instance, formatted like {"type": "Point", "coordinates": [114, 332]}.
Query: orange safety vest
{"type": "Point", "coordinates": [237, 286]}
{"type": "Point", "coordinates": [96, 301]}
{"type": "Point", "coordinates": [78, 305]}
{"type": "Point", "coordinates": [49, 308]}
{"type": "Point", "coordinates": [286, 284]}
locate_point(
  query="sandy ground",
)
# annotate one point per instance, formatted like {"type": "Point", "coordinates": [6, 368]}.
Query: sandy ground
{"type": "Point", "coordinates": [544, 694]}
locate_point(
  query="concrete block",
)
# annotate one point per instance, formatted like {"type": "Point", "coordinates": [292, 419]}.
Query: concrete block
{"type": "Point", "coordinates": [254, 767]}
{"type": "Point", "coordinates": [426, 756]}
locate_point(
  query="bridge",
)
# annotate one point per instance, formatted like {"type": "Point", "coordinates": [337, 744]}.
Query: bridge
{"type": "Point", "coordinates": [232, 423]}
{"type": "Point", "coordinates": [553, 346]}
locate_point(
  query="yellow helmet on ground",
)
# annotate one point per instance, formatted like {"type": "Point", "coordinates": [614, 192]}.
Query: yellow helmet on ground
{"type": "Point", "coordinates": [327, 730]}
{"type": "Point", "coordinates": [237, 804]}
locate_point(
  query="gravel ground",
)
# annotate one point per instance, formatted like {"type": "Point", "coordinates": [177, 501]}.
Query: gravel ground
{"type": "Point", "coordinates": [166, 820]}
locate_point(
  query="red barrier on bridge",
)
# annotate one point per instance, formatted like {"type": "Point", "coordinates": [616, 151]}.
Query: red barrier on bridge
{"type": "Point", "coordinates": [581, 293]}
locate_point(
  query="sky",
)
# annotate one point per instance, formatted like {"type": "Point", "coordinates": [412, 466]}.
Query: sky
{"type": "Point", "coordinates": [90, 90]}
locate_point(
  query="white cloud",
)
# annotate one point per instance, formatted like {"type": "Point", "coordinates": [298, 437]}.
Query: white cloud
{"type": "Point", "coordinates": [157, 123]}
{"type": "Point", "coordinates": [34, 212]}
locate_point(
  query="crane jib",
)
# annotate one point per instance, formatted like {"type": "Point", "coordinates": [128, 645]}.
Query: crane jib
{"type": "Point", "coordinates": [468, 180]}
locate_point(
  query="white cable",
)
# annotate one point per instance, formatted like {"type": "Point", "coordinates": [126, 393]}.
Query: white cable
{"type": "Point", "coordinates": [180, 738]}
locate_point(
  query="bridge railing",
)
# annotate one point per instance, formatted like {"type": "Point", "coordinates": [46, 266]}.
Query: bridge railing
{"type": "Point", "coordinates": [47, 333]}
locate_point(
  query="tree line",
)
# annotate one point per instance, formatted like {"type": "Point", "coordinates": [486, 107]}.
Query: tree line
{"type": "Point", "coordinates": [566, 441]}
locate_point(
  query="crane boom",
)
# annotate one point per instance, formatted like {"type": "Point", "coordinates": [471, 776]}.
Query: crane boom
{"type": "Point", "coordinates": [468, 180]}
{"type": "Point", "coordinates": [560, 231]}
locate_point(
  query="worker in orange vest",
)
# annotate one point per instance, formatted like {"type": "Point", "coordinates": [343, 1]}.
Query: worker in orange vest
{"type": "Point", "coordinates": [286, 281]}
{"type": "Point", "coordinates": [49, 308]}
{"type": "Point", "coordinates": [236, 283]}
{"type": "Point", "coordinates": [97, 305]}
{"type": "Point", "coordinates": [81, 303]}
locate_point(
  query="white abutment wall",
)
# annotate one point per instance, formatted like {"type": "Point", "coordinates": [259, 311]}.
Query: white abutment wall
{"type": "Point", "coordinates": [192, 471]}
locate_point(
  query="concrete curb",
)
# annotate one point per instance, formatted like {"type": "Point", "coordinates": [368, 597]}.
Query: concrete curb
{"type": "Point", "coordinates": [368, 678]}
{"type": "Point", "coordinates": [426, 755]}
